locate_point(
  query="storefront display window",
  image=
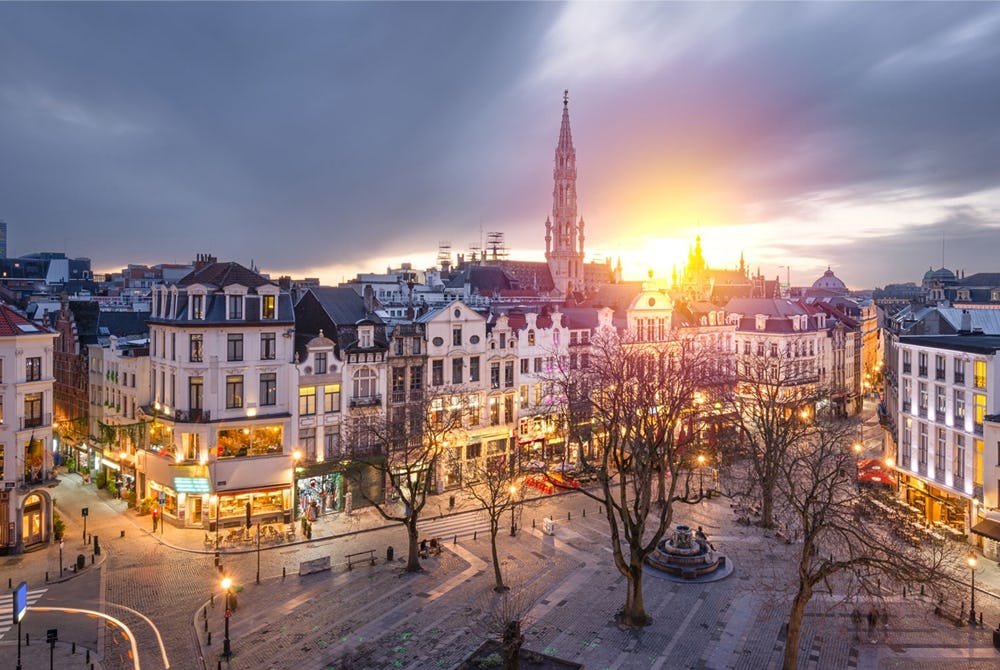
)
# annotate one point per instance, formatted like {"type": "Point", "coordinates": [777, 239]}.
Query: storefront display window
{"type": "Point", "coordinates": [247, 442]}
{"type": "Point", "coordinates": [272, 502]}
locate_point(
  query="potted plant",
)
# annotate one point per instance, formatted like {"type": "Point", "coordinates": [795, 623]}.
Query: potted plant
{"type": "Point", "coordinates": [58, 526]}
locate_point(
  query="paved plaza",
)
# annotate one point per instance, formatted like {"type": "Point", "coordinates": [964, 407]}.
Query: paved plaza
{"type": "Point", "coordinates": [160, 586]}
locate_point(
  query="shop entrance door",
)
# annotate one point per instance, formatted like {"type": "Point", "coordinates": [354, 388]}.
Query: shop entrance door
{"type": "Point", "coordinates": [196, 511]}
{"type": "Point", "coordinates": [31, 522]}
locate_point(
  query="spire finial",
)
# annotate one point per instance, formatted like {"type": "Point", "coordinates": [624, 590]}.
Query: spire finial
{"type": "Point", "coordinates": [566, 97]}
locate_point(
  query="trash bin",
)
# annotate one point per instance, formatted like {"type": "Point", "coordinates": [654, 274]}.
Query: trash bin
{"type": "Point", "coordinates": [389, 553]}
{"type": "Point", "coordinates": [97, 546]}
{"type": "Point", "coordinates": [996, 637]}
{"type": "Point", "coordinates": [81, 561]}
{"type": "Point", "coordinates": [549, 526]}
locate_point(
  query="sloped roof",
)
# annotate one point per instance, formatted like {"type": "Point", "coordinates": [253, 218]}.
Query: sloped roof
{"type": "Point", "coordinates": [121, 324]}
{"type": "Point", "coordinates": [224, 274]}
{"type": "Point", "coordinates": [13, 324]}
{"type": "Point", "coordinates": [768, 306]}
{"type": "Point", "coordinates": [984, 279]}
{"type": "Point", "coordinates": [343, 305]}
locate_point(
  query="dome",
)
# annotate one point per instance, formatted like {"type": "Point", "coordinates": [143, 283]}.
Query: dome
{"type": "Point", "coordinates": [830, 282]}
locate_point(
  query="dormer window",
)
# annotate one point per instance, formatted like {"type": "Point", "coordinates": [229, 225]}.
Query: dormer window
{"type": "Point", "coordinates": [268, 307]}
{"type": "Point", "coordinates": [235, 307]}
{"type": "Point", "coordinates": [531, 338]}
{"type": "Point", "coordinates": [761, 321]}
{"type": "Point", "coordinates": [197, 307]}
{"type": "Point", "coordinates": [365, 337]}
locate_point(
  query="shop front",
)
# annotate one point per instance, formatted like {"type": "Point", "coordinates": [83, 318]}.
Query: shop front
{"type": "Point", "coordinates": [938, 507]}
{"type": "Point", "coordinates": [320, 494]}
{"type": "Point", "coordinates": [266, 505]}
{"type": "Point", "coordinates": [337, 486]}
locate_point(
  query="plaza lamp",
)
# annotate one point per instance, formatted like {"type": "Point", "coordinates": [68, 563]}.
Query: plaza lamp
{"type": "Point", "coordinates": [227, 650]}
{"type": "Point", "coordinates": [701, 475]}
{"type": "Point", "coordinates": [513, 524]}
{"type": "Point", "coordinates": [971, 560]}
{"type": "Point", "coordinates": [296, 457]}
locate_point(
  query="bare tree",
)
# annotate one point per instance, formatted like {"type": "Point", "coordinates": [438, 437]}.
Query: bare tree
{"type": "Point", "coordinates": [409, 438]}
{"type": "Point", "coordinates": [817, 486]}
{"type": "Point", "coordinates": [639, 394]}
{"type": "Point", "coordinates": [498, 493]}
{"type": "Point", "coordinates": [773, 402]}
{"type": "Point", "coordinates": [505, 616]}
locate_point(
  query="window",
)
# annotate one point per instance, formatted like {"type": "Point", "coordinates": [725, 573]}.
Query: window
{"type": "Point", "coordinates": [1, 423]}
{"type": "Point", "coordinates": [456, 370]}
{"type": "Point", "coordinates": [33, 369]}
{"type": "Point", "coordinates": [331, 442]}
{"type": "Point", "coordinates": [398, 346]}
{"type": "Point", "coordinates": [494, 375]}
{"type": "Point", "coordinates": [307, 401]}
{"type": "Point", "coordinates": [456, 337]}
{"type": "Point", "coordinates": [437, 372]}
{"type": "Point", "coordinates": [960, 410]}
{"type": "Point", "coordinates": [234, 347]}
{"type": "Point", "coordinates": [907, 442]}
{"type": "Point", "coordinates": [774, 350]}
{"type": "Point", "coordinates": [197, 307]}
{"type": "Point", "coordinates": [1, 370]}
{"type": "Point", "coordinates": [234, 391]}
{"type": "Point", "coordinates": [268, 388]}
{"type": "Point", "coordinates": [959, 371]}
{"type": "Point", "coordinates": [416, 346]}
{"type": "Point", "coordinates": [524, 366]}
{"type": "Point", "coordinates": [473, 450]}
{"type": "Point", "coordinates": [940, 402]}
{"type": "Point", "coordinates": [267, 307]}
{"type": "Point", "coordinates": [267, 346]}
{"type": "Point", "coordinates": [939, 371]}
{"type": "Point", "coordinates": [979, 410]}
{"type": "Point", "coordinates": [331, 398]}
{"type": "Point", "coordinates": [473, 410]}
{"type": "Point", "coordinates": [958, 461]}
{"type": "Point", "coordinates": [474, 369]}
{"type": "Point", "coordinates": [503, 340]}
{"type": "Point", "coordinates": [538, 364]}
{"type": "Point", "coordinates": [906, 360]}
{"type": "Point", "coordinates": [508, 374]}
{"type": "Point", "coordinates": [196, 347]}
{"type": "Point", "coordinates": [32, 410]}
{"type": "Point", "coordinates": [524, 395]}
{"type": "Point", "coordinates": [508, 408]}
{"type": "Point", "coordinates": [922, 398]}
{"type": "Point", "coordinates": [531, 338]}
{"type": "Point", "coordinates": [320, 359]}
{"type": "Point", "coordinates": [365, 382]}
{"type": "Point", "coordinates": [196, 393]}
{"type": "Point", "coordinates": [173, 346]}
{"type": "Point", "coordinates": [235, 303]}
{"type": "Point", "coordinates": [922, 364]}
{"type": "Point", "coordinates": [416, 378]}
{"type": "Point", "coordinates": [307, 440]}
{"type": "Point", "coordinates": [979, 374]}
{"type": "Point", "coordinates": [537, 391]}
{"type": "Point", "coordinates": [939, 452]}
{"type": "Point", "coordinates": [495, 410]}
{"type": "Point", "coordinates": [922, 447]}
{"type": "Point", "coordinates": [365, 337]}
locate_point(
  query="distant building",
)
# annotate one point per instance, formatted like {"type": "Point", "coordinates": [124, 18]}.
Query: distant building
{"type": "Point", "coordinates": [3, 239]}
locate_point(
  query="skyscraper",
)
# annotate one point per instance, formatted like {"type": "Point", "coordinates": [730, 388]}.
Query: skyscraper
{"type": "Point", "coordinates": [3, 239]}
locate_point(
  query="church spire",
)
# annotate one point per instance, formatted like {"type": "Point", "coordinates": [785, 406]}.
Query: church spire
{"type": "Point", "coordinates": [565, 255]}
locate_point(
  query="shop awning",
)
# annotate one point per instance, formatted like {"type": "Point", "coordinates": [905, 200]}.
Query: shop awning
{"type": "Point", "coordinates": [988, 528]}
{"type": "Point", "coordinates": [192, 485]}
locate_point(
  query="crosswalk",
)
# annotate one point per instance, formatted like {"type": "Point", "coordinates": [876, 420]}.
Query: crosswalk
{"type": "Point", "coordinates": [7, 605]}
{"type": "Point", "coordinates": [460, 525]}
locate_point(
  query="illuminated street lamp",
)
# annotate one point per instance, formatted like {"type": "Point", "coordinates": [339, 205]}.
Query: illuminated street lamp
{"type": "Point", "coordinates": [227, 650]}
{"type": "Point", "coordinates": [296, 457]}
{"type": "Point", "coordinates": [513, 524]}
{"type": "Point", "coordinates": [971, 560]}
{"type": "Point", "coordinates": [701, 475]}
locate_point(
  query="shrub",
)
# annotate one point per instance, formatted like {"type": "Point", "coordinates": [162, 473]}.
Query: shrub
{"type": "Point", "coordinates": [112, 488]}
{"type": "Point", "coordinates": [132, 498]}
{"type": "Point", "coordinates": [101, 479]}
{"type": "Point", "coordinates": [146, 505]}
{"type": "Point", "coordinates": [58, 525]}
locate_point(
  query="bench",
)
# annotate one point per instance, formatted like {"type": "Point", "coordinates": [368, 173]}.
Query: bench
{"type": "Point", "coordinates": [320, 564]}
{"type": "Point", "coordinates": [949, 615]}
{"type": "Point", "coordinates": [352, 558]}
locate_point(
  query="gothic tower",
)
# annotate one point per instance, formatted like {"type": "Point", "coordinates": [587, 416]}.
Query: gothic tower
{"type": "Point", "coordinates": [563, 229]}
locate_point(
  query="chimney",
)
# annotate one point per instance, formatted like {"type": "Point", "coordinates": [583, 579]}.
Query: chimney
{"type": "Point", "coordinates": [369, 296]}
{"type": "Point", "coordinates": [966, 326]}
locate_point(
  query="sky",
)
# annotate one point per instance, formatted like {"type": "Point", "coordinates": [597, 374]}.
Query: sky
{"type": "Point", "coordinates": [325, 139]}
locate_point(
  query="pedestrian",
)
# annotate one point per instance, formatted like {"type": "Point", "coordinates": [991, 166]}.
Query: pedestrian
{"type": "Point", "coordinates": [423, 548]}
{"type": "Point", "coordinates": [872, 622]}
{"type": "Point", "coordinates": [856, 620]}
{"type": "Point", "coordinates": [156, 518]}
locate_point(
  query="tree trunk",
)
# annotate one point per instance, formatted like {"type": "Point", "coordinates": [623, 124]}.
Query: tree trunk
{"type": "Point", "coordinates": [494, 526]}
{"type": "Point", "coordinates": [634, 613]}
{"type": "Point", "coordinates": [795, 616]}
{"type": "Point", "coordinates": [413, 555]}
{"type": "Point", "coordinates": [767, 507]}
{"type": "Point", "coordinates": [512, 641]}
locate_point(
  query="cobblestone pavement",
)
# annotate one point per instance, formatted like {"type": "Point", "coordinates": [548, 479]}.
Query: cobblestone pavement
{"type": "Point", "coordinates": [381, 617]}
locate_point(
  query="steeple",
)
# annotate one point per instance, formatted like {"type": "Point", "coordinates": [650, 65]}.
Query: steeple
{"type": "Point", "coordinates": [565, 254]}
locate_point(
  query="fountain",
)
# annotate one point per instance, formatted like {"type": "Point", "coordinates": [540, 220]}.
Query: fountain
{"type": "Point", "coordinates": [686, 557]}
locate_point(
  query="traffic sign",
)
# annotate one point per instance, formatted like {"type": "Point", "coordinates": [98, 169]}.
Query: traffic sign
{"type": "Point", "coordinates": [85, 511]}
{"type": "Point", "coordinates": [20, 601]}
{"type": "Point", "coordinates": [163, 497]}
{"type": "Point", "coordinates": [229, 613]}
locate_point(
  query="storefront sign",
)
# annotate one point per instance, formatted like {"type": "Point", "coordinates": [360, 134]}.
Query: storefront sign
{"type": "Point", "coordinates": [111, 464]}
{"type": "Point", "coordinates": [192, 485]}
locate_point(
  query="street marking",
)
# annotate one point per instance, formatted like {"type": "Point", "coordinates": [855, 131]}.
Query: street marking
{"type": "Point", "coordinates": [6, 602]}
{"type": "Point", "coordinates": [106, 617]}
{"type": "Point", "coordinates": [159, 640]}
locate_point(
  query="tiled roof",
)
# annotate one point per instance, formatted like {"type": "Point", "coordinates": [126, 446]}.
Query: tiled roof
{"type": "Point", "coordinates": [13, 324]}
{"type": "Point", "coordinates": [224, 274]}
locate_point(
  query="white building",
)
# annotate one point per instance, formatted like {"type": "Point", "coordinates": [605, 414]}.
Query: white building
{"type": "Point", "coordinates": [223, 394]}
{"type": "Point", "coordinates": [26, 456]}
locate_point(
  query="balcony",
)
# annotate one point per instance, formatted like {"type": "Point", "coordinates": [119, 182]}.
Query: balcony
{"type": "Point", "coordinates": [960, 378]}
{"type": "Point", "coordinates": [939, 375]}
{"type": "Point", "coordinates": [192, 416]}
{"type": "Point", "coordinates": [922, 371]}
{"type": "Point", "coordinates": [906, 368]}
{"type": "Point", "coordinates": [366, 401]}
{"type": "Point", "coordinates": [29, 422]}
{"type": "Point", "coordinates": [41, 480]}
{"type": "Point", "coordinates": [939, 416]}
{"type": "Point", "coordinates": [978, 429]}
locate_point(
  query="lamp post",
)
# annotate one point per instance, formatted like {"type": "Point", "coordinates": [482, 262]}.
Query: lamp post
{"type": "Point", "coordinates": [701, 475]}
{"type": "Point", "coordinates": [227, 650]}
{"type": "Point", "coordinates": [971, 559]}
{"type": "Point", "coordinates": [513, 524]}
{"type": "Point", "coordinates": [296, 457]}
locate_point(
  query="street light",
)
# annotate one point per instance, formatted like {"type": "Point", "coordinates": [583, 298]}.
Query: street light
{"type": "Point", "coordinates": [971, 559]}
{"type": "Point", "coordinates": [513, 524]}
{"type": "Point", "coordinates": [296, 457]}
{"type": "Point", "coordinates": [227, 651]}
{"type": "Point", "coordinates": [701, 475]}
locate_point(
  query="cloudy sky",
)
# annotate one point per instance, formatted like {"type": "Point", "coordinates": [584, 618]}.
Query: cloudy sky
{"type": "Point", "coordinates": [322, 139]}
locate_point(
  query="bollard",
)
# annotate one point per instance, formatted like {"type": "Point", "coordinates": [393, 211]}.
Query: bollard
{"type": "Point", "coordinates": [219, 666]}
{"type": "Point", "coordinates": [27, 639]}
{"type": "Point", "coordinates": [73, 651]}
{"type": "Point", "coordinates": [584, 512]}
{"type": "Point", "coordinates": [980, 617]}
{"type": "Point", "coordinates": [473, 537]}
{"type": "Point", "coordinates": [91, 559]}
{"type": "Point", "coordinates": [904, 590]}
{"type": "Point", "coordinates": [88, 657]}
{"type": "Point", "coordinates": [123, 533]}
{"type": "Point", "coordinates": [282, 572]}
{"type": "Point", "coordinates": [212, 600]}
{"type": "Point", "coordinates": [10, 583]}
{"type": "Point", "coordinates": [209, 639]}
{"type": "Point", "coordinates": [206, 628]}
{"type": "Point", "coordinates": [921, 589]}
{"type": "Point", "coordinates": [532, 524]}
{"type": "Point", "coordinates": [455, 539]}
{"type": "Point", "coordinates": [97, 546]}
{"type": "Point", "coordinates": [569, 516]}
{"type": "Point", "coordinates": [204, 613]}
{"type": "Point", "coordinates": [46, 575]}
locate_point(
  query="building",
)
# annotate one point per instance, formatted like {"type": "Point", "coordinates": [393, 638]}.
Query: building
{"type": "Point", "coordinates": [26, 455]}
{"type": "Point", "coordinates": [564, 237]}
{"type": "Point", "coordinates": [947, 387]}
{"type": "Point", "coordinates": [222, 398]}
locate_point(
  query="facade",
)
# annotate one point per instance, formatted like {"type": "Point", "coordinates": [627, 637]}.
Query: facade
{"type": "Point", "coordinates": [222, 399]}
{"type": "Point", "coordinates": [26, 455]}
{"type": "Point", "coordinates": [947, 386]}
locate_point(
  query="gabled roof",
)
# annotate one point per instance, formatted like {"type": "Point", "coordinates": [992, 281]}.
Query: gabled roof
{"type": "Point", "coordinates": [343, 305]}
{"type": "Point", "coordinates": [768, 306]}
{"type": "Point", "coordinates": [14, 324]}
{"type": "Point", "coordinates": [221, 275]}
